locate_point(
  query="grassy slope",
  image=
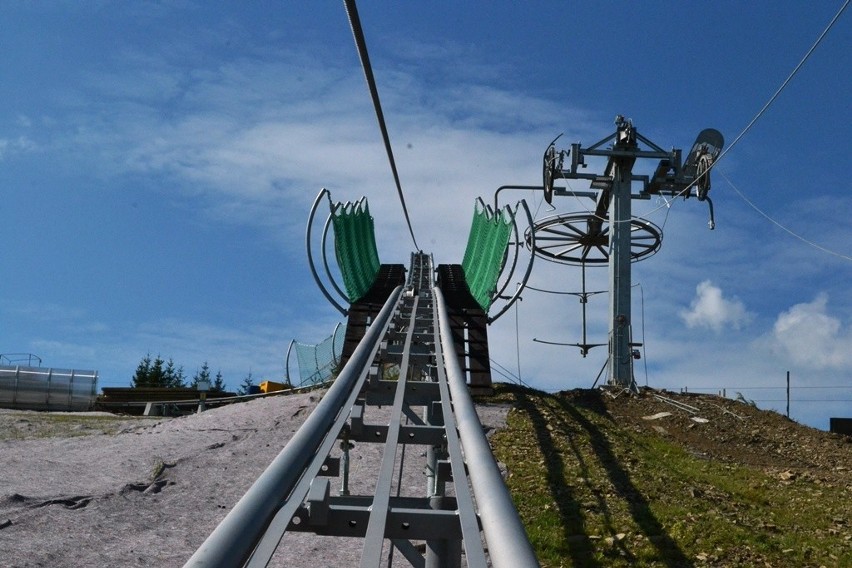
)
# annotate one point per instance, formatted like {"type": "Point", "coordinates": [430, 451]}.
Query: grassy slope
{"type": "Point", "coordinates": [27, 425]}
{"type": "Point", "coordinates": [593, 492]}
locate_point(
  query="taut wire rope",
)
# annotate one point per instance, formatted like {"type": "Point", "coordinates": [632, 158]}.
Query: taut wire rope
{"type": "Point", "coordinates": [361, 44]}
{"type": "Point", "coordinates": [784, 84]}
{"type": "Point", "coordinates": [764, 108]}
{"type": "Point", "coordinates": [780, 226]}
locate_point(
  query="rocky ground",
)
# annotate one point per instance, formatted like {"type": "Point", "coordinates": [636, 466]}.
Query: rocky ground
{"type": "Point", "coordinates": [733, 431]}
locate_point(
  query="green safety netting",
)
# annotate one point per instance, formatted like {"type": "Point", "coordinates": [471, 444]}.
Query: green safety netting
{"type": "Point", "coordinates": [486, 252]}
{"type": "Point", "coordinates": [319, 363]}
{"type": "Point", "coordinates": [355, 247]}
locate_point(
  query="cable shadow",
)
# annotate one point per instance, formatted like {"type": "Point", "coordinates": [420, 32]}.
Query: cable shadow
{"type": "Point", "coordinates": [571, 513]}
{"type": "Point", "coordinates": [638, 505]}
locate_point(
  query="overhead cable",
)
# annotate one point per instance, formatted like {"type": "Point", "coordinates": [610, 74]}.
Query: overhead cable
{"type": "Point", "coordinates": [765, 106]}
{"type": "Point", "coordinates": [361, 44]}
{"type": "Point", "coordinates": [782, 227]}
{"type": "Point", "coordinates": [784, 84]}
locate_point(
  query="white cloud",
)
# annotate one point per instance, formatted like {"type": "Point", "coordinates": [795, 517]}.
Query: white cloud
{"type": "Point", "coordinates": [254, 141]}
{"type": "Point", "coordinates": [809, 336]}
{"type": "Point", "coordinates": [710, 309]}
{"type": "Point", "coordinates": [18, 145]}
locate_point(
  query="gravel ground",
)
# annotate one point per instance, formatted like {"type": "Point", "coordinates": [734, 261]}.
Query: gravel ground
{"type": "Point", "coordinates": [148, 492]}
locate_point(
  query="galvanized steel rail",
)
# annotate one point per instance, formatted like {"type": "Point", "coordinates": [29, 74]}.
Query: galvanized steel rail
{"type": "Point", "coordinates": [463, 497]}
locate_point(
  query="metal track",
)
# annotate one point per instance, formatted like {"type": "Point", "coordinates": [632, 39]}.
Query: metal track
{"type": "Point", "coordinates": [400, 391]}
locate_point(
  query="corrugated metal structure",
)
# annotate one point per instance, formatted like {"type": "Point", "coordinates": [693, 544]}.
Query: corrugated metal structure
{"type": "Point", "coordinates": [40, 388]}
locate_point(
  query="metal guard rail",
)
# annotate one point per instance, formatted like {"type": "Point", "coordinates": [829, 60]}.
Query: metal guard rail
{"type": "Point", "coordinates": [233, 541]}
{"type": "Point", "coordinates": [249, 535]}
{"type": "Point", "coordinates": [507, 540]}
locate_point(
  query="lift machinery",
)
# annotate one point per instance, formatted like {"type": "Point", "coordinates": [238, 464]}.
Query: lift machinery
{"type": "Point", "coordinates": [609, 234]}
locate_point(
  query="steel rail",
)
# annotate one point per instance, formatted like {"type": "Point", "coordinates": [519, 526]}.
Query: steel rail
{"type": "Point", "coordinates": [308, 232]}
{"type": "Point", "coordinates": [293, 494]}
{"type": "Point", "coordinates": [467, 511]}
{"type": "Point", "coordinates": [372, 552]}
{"type": "Point", "coordinates": [234, 539]}
{"type": "Point", "coordinates": [508, 545]}
{"type": "Point", "coordinates": [269, 542]}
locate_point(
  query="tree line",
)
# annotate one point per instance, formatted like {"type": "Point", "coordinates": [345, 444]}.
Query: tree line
{"type": "Point", "coordinates": [158, 372]}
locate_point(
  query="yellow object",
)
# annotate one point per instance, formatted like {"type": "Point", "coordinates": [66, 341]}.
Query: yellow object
{"type": "Point", "coordinates": [271, 386]}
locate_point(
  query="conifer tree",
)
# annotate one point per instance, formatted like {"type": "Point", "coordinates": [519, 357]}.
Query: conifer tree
{"type": "Point", "coordinates": [202, 375]}
{"type": "Point", "coordinates": [143, 370]}
{"type": "Point", "coordinates": [173, 376]}
{"type": "Point", "coordinates": [218, 383]}
{"type": "Point", "coordinates": [246, 385]}
{"type": "Point", "coordinates": [158, 373]}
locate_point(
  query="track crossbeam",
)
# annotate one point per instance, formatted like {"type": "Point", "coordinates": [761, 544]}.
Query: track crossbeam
{"type": "Point", "coordinates": [396, 392]}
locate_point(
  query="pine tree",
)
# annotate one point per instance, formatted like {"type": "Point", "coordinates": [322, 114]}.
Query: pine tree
{"type": "Point", "coordinates": [173, 377]}
{"type": "Point", "coordinates": [143, 371]}
{"type": "Point", "coordinates": [218, 383]}
{"type": "Point", "coordinates": [246, 385]}
{"type": "Point", "coordinates": [202, 375]}
{"type": "Point", "coordinates": [156, 375]}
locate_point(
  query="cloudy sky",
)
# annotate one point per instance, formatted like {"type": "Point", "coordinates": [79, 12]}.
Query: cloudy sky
{"type": "Point", "coordinates": [158, 161]}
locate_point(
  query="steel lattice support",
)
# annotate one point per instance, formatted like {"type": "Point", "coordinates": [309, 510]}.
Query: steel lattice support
{"type": "Point", "coordinates": [425, 407]}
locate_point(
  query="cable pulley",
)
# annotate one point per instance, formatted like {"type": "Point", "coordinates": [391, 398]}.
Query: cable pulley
{"type": "Point", "coordinates": [551, 166]}
{"type": "Point", "coordinates": [583, 238]}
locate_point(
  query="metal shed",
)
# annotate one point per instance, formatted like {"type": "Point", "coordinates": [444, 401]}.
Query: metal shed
{"type": "Point", "coordinates": [40, 388]}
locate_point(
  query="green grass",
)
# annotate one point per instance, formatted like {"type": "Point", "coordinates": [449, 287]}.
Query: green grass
{"type": "Point", "coordinates": [32, 425]}
{"type": "Point", "coordinates": [593, 492]}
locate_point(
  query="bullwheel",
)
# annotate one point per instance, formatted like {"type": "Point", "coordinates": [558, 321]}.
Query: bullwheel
{"type": "Point", "coordinates": [583, 238]}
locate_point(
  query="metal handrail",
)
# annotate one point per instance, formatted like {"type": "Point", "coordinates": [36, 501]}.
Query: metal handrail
{"type": "Point", "coordinates": [508, 545]}
{"type": "Point", "coordinates": [233, 540]}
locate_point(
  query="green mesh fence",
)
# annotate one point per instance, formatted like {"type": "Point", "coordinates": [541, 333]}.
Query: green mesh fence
{"type": "Point", "coordinates": [319, 363]}
{"type": "Point", "coordinates": [486, 252]}
{"type": "Point", "coordinates": [355, 247]}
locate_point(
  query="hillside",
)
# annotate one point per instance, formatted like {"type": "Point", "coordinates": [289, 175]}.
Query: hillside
{"type": "Point", "coordinates": [665, 479]}
{"type": "Point", "coordinates": [596, 482]}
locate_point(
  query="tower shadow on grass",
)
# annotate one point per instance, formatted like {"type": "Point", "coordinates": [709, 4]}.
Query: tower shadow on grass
{"type": "Point", "coordinates": [670, 554]}
{"type": "Point", "coordinates": [558, 423]}
{"type": "Point", "coordinates": [572, 516]}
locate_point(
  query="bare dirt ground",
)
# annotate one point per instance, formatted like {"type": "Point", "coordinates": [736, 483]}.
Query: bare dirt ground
{"type": "Point", "coordinates": [147, 492]}
{"type": "Point", "coordinates": [727, 430]}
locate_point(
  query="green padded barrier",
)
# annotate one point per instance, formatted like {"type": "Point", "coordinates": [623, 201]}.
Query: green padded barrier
{"type": "Point", "coordinates": [486, 252]}
{"type": "Point", "coordinates": [355, 247]}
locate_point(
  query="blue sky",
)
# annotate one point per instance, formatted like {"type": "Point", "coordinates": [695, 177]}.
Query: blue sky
{"type": "Point", "coordinates": [158, 161]}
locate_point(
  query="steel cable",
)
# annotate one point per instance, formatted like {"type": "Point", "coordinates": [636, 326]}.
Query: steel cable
{"type": "Point", "coordinates": [361, 44]}
{"type": "Point", "coordinates": [761, 112]}
{"type": "Point", "coordinates": [782, 227]}
{"type": "Point", "coordinates": [768, 104]}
